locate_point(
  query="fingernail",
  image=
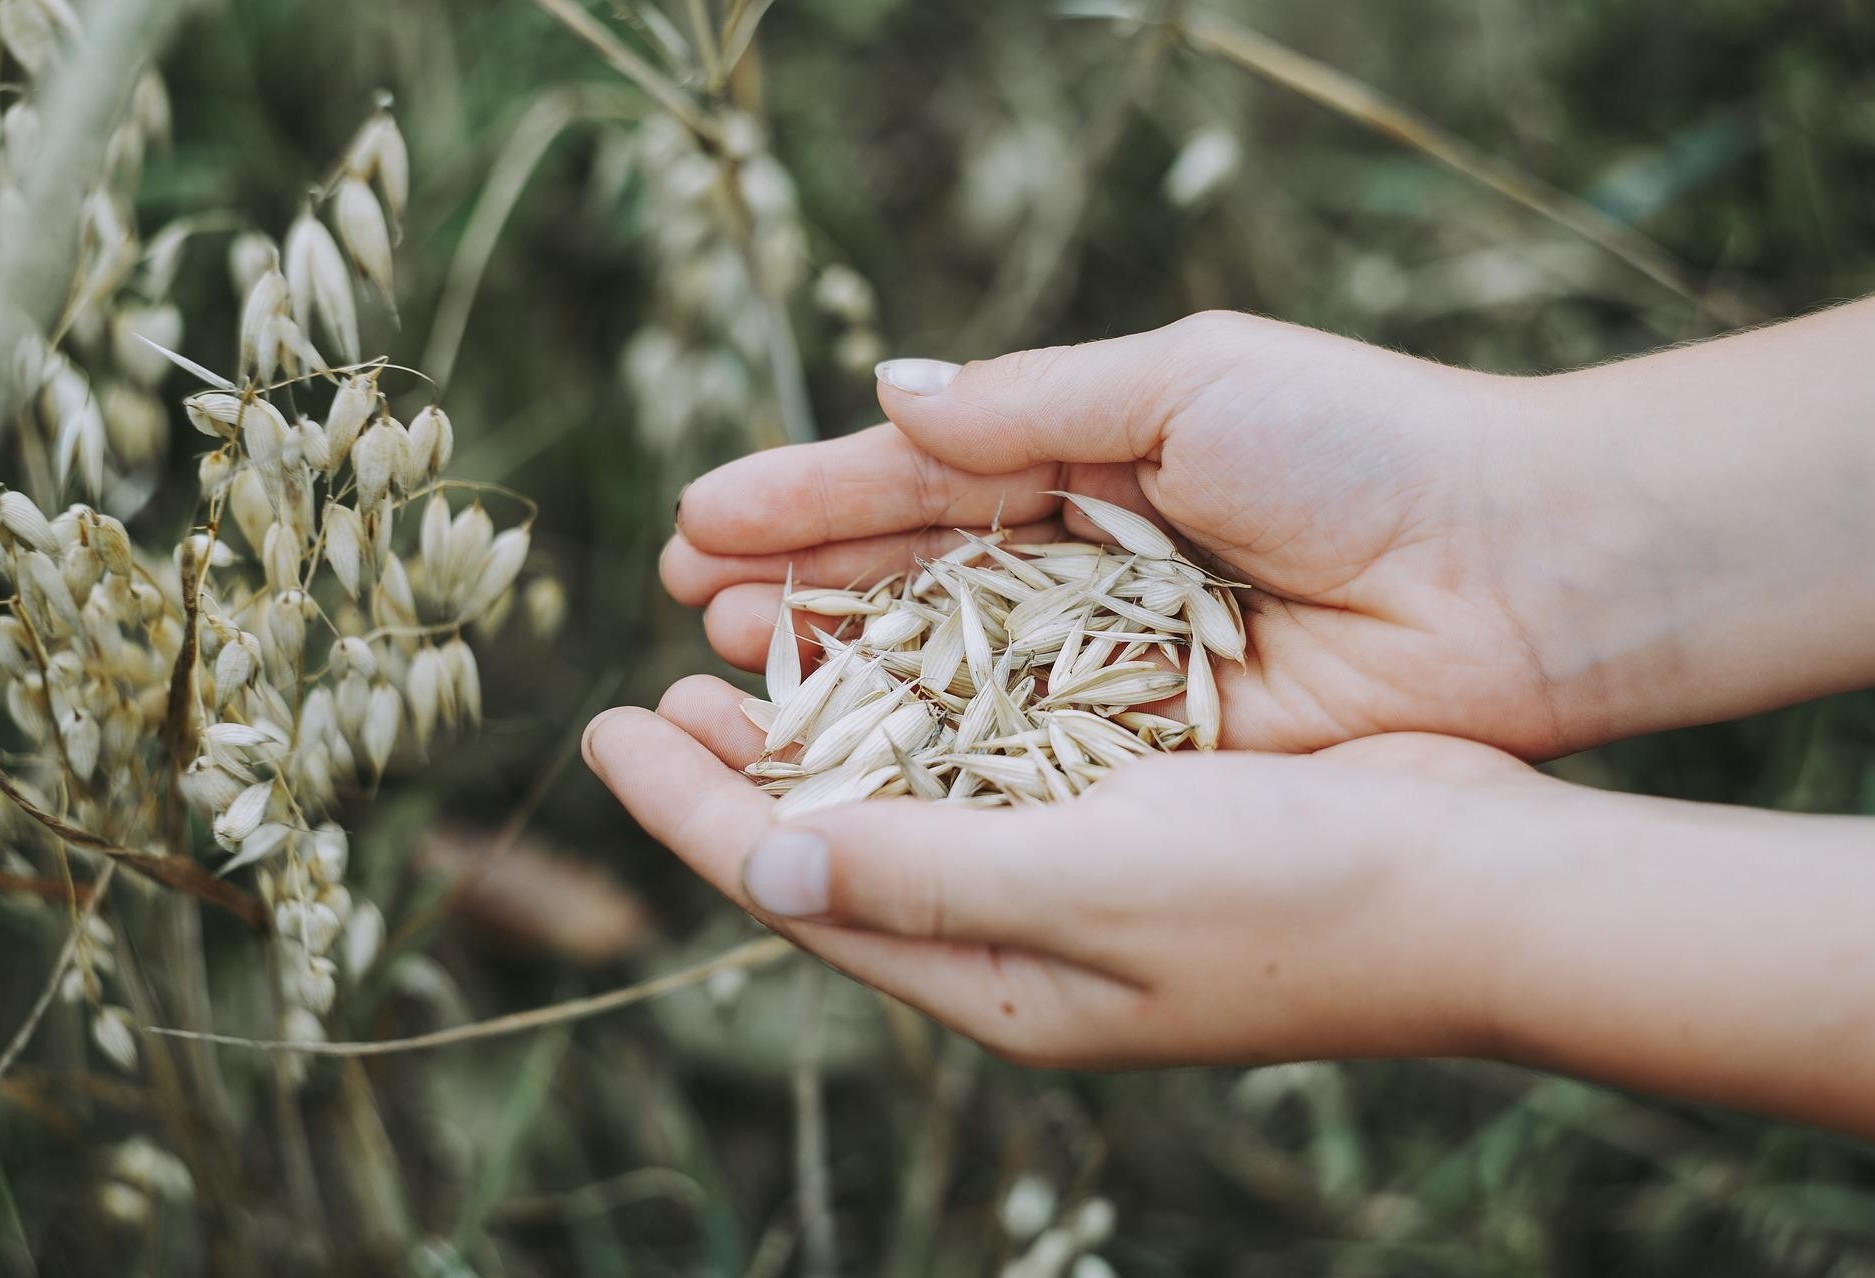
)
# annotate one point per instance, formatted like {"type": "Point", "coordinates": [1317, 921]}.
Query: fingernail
{"type": "Point", "coordinates": [787, 874]}
{"type": "Point", "coordinates": [677, 511]}
{"type": "Point", "coordinates": [590, 738]}
{"type": "Point", "coordinates": [917, 376]}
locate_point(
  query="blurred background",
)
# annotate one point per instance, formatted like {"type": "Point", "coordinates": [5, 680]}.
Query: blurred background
{"type": "Point", "coordinates": [620, 287]}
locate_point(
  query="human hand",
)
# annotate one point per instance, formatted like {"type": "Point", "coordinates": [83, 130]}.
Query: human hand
{"type": "Point", "coordinates": [1357, 487]}
{"type": "Point", "coordinates": [1190, 908]}
{"type": "Point", "coordinates": [1537, 563]}
{"type": "Point", "coordinates": [1401, 895]}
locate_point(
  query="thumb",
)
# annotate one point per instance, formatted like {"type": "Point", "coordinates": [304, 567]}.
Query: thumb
{"type": "Point", "coordinates": [914, 869]}
{"type": "Point", "coordinates": [1108, 401]}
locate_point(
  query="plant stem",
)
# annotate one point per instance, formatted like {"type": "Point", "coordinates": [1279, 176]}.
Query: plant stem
{"type": "Point", "coordinates": [24, 1034]}
{"type": "Point", "coordinates": [820, 1257]}
{"type": "Point", "coordinates": [302, 1184]}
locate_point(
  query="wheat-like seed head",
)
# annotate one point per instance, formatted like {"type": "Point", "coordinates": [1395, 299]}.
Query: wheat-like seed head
{"type": "Point", "coordinates": [293, 638]}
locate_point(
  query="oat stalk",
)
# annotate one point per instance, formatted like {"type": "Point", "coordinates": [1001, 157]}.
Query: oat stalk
{"type": "Point", "coordinates": [752, 954]}
{"type": "Point", "coordinates": [87, 907]}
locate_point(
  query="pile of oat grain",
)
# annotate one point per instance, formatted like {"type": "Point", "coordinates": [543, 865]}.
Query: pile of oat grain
{"type": "Point", "coordinates": [999, 673]}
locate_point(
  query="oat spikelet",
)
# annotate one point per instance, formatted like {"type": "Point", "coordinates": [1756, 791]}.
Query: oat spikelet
{"type": "Point", "coordinates": [998, 673]}
{"type": "Point", "coordinates": [783, 668]}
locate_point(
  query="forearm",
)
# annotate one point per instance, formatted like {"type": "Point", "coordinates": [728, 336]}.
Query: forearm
{"type": "Point", "coordinates": [1712, 953]}
{"type": "Point", "coordinates": [1697, 526]}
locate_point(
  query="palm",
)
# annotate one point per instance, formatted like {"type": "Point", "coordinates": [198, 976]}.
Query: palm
{"type": "Point", "coordinates": [1352, 511]}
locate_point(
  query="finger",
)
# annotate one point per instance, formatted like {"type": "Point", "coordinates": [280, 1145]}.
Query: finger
{"type": "Point", "coordinates": [740, 619]}
{"type": "Point", "coordinates": [684, 796]}
{"type": "Point", "coordinates": [1100, 402]}
{"type": "Point", "coordinates": [693, 576]}
{"type": "Point", "coordinates": [711, 711]}
{"type": "Point", "coordinates": [862, 485]}
{"type": "Point", "coordinates": [932, 871]}
{"type": "Point", "coordinates": [919, 870]}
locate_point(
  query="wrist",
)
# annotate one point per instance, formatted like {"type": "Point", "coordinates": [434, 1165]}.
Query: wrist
{"type": "Point", "coordinates": [1498, 847]}
{"type": "Point", "coordinates": [1517, 850]}
{"type": "Point", "coordinates": [1613, 558]}
{"type": "Point", "coordinates": [1710, 952]}
{"type": "Point", "coordinates": [1459, 849]}
{"type": "Point", "coordinates": [1680, 537]}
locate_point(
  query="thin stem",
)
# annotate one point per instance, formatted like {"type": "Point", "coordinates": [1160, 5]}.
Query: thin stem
{"type": "Point", "coordinates": [24, 1034]}
{"type": "Point", "coordinates": [628, 64]}
{"type": "Point", "coordinates": [183, 875]}
{"type": "Point", "coordinates": [295, 1149]}
{"type": "Point", "coordinates": [544, 122]}
{"type": "Point", "coordinates": [751, 954]}
{"type": "Point", "coordinates": [643, 1184]}
{"type": "Point", "coordinates": [10, 1213]}
{"type": "Point", "coordinates": [742, 35]}
{"type": "Point", "coordinates": [516, 824]}
{"type": "Point", "coordinates": [813, 1194]}
{"type": "Point", "coordinates": [784, 353]}
{"type": "Point", "coordinates": [707, 49]}
{"type": "Point", "coordinates": [1342, 93]}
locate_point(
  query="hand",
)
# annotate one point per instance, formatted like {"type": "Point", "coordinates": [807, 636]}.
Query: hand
{"type": "Point", "coordinates": [1357, 487]}
{"type": "Point", "coordinates": [1537, 563]}
{"type": "Point", "coordinates": [1395, 896]}
{"type": "Point", "coordinates": [1191, 908]}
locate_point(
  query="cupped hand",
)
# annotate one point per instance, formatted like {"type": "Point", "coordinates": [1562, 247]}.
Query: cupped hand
{"type": "Point", "coordinates": [1191, 908]}
{"type": "Point", "coordinates": [1380, 503]}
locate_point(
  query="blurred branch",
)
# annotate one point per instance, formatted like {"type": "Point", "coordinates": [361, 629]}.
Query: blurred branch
{"type": "Point", "coordinates": [739, 31]}
{"type": "Point", "coordinates": [19, 1246]}
{"type": "Point", "coordinates": [645, 1184]}
{"type": "Point", "coordinates": [88, 907]}
{"type": "Point", "coordinates": [659, 87]}
{"type": "Point", "coordinates": [813, 1197]}
{"type": "Point", "coordinates": [1347, 96]}
{"type": "Point", "coordinates": [549, 117]}
{"type": "Point", "coordinates": [773, 1250]}
{"type": "Point", "coordinates": [48, 889]}
{"type": "Point", "coordinates": [522, 1101]}
{"type": "Point", "coordinates": [171, 871]}
{"type": "Point", "coordinates": [212, 1161]}
{"type": "Point", "coordinates": [1035, 270]}
{"type": "Point", "coordinates": [927, 1171]}
{"type": "Point", "coordinates": [1692, 1158]}
{"type": "Point", "coordinates": [83, 101]}
{"type": "Point", "coordinates": [517, 822]}
{"type": "Point", "coordinates": [751, 954]}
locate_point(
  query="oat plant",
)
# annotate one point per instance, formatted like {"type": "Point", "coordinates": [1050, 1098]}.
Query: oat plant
{"type": "Point", "coordinates": [185, 714]}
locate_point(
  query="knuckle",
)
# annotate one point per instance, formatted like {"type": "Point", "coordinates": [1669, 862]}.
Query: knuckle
{"type": "Point", "coordinates": [683, 691]}
{"type": "Point", "coordinates": [1017, 367]}
{"type": "Point", "coordinates": [867, 884]}
{"type": "Point", "coordinates": [1214, 325]}
{"type": "Point", "coordinates": [678, 584]}
{"type": "Point", "coordinates": [921, 901]}
{"type": "Point", "coordinates": [931, 485]}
